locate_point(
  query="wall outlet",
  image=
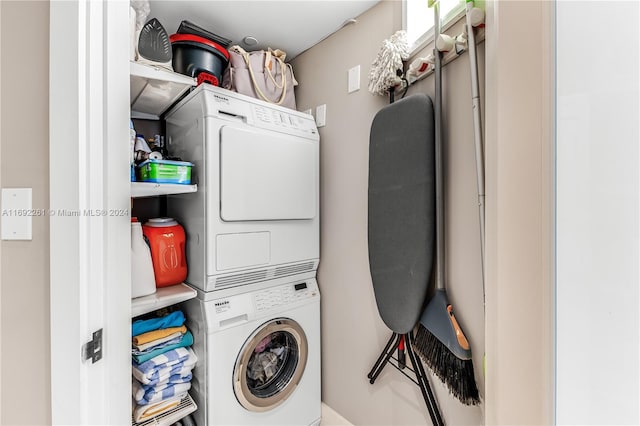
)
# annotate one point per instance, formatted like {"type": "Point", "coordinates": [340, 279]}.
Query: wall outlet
{"type": "Point", "coordinates": [321, 115]}
{"type": "Point", "coordinates": [354, 79]}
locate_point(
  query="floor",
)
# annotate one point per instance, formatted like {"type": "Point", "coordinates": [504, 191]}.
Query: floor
{"type": "Point", "coordinates": [331, 418]}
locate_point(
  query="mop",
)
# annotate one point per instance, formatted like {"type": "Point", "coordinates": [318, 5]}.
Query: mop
{"type": "Point", "coordinates": [440, 341]}
{"type": "Point", "coordinates": [386, 70]}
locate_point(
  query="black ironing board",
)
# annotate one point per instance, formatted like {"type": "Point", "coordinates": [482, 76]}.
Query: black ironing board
{"type": "Point", "coordinates": [402, 232]}
{"type": "Point", "coordinates": [402, 209]}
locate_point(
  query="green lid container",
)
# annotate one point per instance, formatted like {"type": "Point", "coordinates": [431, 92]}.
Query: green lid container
{"type": "Point", "coordinates": [165, 171]}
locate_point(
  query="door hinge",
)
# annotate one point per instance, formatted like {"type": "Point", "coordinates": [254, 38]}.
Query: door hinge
{"type": "Point", "coordinates": [93, 350]}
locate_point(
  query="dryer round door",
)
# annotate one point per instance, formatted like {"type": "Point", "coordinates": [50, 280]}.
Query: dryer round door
{"type": "Point", "coordinates": [270, 365]}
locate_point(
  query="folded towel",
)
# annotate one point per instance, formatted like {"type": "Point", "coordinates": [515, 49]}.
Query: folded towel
{"type": "Point", "coordinates": [179, 370]}
{"type": "Point", "coordinates": [186, 340]}
{"type": "Point", "coordinates": [151, 336]}
{"type": "Point", "coordinates": [145, 412]}
{"type": "Point", "coordinates": [174, 319]}
{"type": "Point", "coordinates": [139, 390]}
{"type": "Point", "coordinates": [166, 359]}
{"type": "Point", "coordinates": [157, 344]}
{"type": "Point", "coordinates": [160, 393]}
{"type": "Point", "coordinates": [177, 361]}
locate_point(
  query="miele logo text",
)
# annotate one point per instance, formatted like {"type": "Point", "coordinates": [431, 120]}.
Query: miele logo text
{"type": "Point", "coordinates": [220, 98]}
{"type": "Point", "coordinates": [223, 303]}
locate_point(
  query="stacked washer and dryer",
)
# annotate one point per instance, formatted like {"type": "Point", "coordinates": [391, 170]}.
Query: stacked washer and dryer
{"type": "Point", "coordinates": [253, 252]}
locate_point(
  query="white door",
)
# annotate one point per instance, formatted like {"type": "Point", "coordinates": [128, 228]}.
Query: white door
{"type": "Point", "coordinates": [266, 175]}
{"type": "Point", "coordinates": [89, 203]}
{"type": "Point", "coordinates": [597, 215]}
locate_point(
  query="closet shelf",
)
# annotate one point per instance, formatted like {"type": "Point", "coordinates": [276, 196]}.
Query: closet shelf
{"type": "Point", "coordinates": [154, 89]}
{"type": "Point", "coordinates": [150, 189]}
{"type": "Point", "coordinates": [163, 297]}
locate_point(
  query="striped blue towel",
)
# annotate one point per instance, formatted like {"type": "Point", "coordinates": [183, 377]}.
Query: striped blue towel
{"type": "Point", "coordinates": [157, 393]}
{"type": "Point", "coordinates": [182, 377]}
{"type": "Point", "coordinates": [174, 319]}
{"type": "Point", "coordinates": [140, 391]}
{"type": "Point", "coordinates": [185, 340]}
{"type": "Point", "coordinates": [177, 361]}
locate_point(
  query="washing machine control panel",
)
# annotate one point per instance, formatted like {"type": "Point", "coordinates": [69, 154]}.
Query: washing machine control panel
{"type": "Point", "coordinates": [287, 294]}
{"type": "Point", "coordinates": [227, 312]}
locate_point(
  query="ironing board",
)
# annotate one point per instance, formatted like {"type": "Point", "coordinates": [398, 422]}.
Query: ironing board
{"type": "Point", "coordinates": [401, 228]}
{"type": "Point", "coordinates": [402, 209]}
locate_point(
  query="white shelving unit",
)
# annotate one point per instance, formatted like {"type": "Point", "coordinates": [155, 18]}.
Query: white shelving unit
{"type": "Point", "coordinates": [150, 189]}
{"type": "Point", "coordinates": [163, 297]}
{"type": "Point", "coordinates": [153, 91]}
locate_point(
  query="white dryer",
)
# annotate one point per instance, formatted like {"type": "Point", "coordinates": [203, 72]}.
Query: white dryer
{"type": "Point", "coordinates": [261, 355]}
{"type": "Point", "coordinates": [255, 216]}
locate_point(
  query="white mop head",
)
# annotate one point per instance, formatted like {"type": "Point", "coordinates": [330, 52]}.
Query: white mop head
{"type": "Point", "coordinates": [383, 75]}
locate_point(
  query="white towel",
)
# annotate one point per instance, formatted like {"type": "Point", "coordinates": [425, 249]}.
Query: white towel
{"type": "Point", "coordinates": [145, 412]}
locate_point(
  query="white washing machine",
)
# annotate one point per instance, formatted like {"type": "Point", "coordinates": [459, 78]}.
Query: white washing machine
{"type": "Point", "coordinates": [259, 350]}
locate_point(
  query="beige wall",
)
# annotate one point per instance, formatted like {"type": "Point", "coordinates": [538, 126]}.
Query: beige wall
{"type": "Point", "coordinates": [353, 335]}
{"type": "Point", "coordinates": [24, 265]}
{"type": "Point", "coordinates": [519, 151]}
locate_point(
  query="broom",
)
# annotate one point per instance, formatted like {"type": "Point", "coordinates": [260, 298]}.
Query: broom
{"type": "Point", "coordinates": [439, 340]}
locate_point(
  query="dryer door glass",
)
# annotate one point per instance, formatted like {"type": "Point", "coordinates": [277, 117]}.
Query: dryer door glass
{"type": "Point", "coordinates": [270, 365]}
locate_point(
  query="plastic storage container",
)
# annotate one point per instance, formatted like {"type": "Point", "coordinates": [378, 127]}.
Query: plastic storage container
{"type": "Point", "coordinates": [193, 55]}
{"type": "Point", "coordinates": [165, 171]}
{"type": "Point", "coordinates": [143, 281]}
{"type": "Point", "coordinates": [167, 241]}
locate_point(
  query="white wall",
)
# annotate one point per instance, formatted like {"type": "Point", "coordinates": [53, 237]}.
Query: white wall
{"type": "Point", "coordinates": [598, 111]}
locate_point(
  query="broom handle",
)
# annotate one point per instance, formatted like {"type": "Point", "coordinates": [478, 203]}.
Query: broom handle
{"type": "Point", "coordinates": [477, 125]}
{"type": "Point", "coordinates": [440, 272]}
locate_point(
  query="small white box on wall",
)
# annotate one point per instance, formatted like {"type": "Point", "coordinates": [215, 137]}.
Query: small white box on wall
{"type": "Point", "coordinates": [16, 213]}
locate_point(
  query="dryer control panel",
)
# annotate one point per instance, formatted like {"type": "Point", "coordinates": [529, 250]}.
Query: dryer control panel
{"type": "Point", "coordinates": [283, 119]}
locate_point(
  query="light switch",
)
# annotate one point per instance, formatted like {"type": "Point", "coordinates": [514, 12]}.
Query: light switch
{"type": "Point", "coordinates": [16, 213]}
{"type": "Point", "coordinates": [354, 79]}
{"type": "Point", "coordinates": [321, 115]}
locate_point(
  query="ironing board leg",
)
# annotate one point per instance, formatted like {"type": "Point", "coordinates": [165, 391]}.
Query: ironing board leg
{"type": "Point", "coordinates": [384, 357]}
{"type": "Point", "coordinates": [423, 383]}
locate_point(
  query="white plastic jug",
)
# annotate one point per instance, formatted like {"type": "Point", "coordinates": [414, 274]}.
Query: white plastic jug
{"type": "Point", "coordinates": [143, 281]}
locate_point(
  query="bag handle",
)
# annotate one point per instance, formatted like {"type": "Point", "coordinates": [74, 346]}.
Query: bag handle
{"type": "Point", "coordinates": [282, 85]}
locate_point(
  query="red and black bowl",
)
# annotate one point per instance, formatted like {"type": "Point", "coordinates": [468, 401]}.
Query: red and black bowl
{"type": "Point", "coordinates": [193, 55]}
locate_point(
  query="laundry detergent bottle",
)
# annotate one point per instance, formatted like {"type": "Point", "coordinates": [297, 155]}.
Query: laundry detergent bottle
{"type": "Point", "coordinates": [167, 242]}
{"type": "Point", "coordinates": [143, 281]}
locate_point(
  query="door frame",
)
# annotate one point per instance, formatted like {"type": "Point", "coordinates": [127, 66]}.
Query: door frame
{"type": "Point", "coordinates": [89, 211]}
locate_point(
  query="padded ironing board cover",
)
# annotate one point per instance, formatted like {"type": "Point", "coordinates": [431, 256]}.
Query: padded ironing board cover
{"type": "Point", "coordinates": [402, 209]}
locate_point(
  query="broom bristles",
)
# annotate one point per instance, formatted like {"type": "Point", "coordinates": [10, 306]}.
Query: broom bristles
{"type": "Point", "coordinates": [457, 374]}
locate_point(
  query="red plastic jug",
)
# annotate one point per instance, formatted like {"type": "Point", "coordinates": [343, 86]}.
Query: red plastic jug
{"type": "Point", "coordinates": [167, 242]}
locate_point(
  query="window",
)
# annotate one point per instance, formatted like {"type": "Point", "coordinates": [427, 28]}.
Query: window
{"type": "Point", "coordinates": [418, 19]}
